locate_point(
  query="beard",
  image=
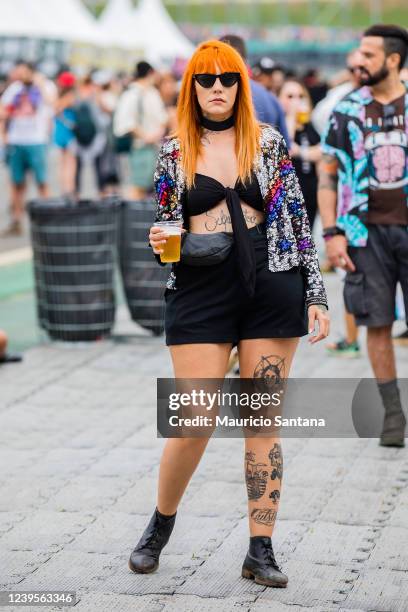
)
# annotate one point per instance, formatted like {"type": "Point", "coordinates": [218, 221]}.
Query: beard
{"type": "Point", "coordinates": [366, 78]}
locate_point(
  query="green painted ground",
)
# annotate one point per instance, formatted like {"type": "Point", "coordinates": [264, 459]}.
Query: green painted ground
{"type": "Point", "coordinates": [18, 315]}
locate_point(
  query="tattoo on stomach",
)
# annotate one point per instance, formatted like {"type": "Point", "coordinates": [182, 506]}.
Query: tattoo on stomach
{"type": "Point", "coordinates": [221, 219]}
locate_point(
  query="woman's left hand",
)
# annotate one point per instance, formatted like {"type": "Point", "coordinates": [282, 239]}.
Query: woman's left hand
{"type": "Point", "coordinates": [319, 313]}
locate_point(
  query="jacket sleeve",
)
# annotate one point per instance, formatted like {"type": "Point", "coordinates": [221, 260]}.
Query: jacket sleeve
{"type": "Point", "coordinates": [309, 262]}
{"type": "Point", "coordinates": [165, 190]}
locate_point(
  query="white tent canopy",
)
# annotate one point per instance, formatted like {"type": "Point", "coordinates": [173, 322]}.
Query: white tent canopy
{"type": "Point", "coordinates": [66, 20]}
{"type": "Point", "coordinates": [117, 24]}
{"type": "Point", "coordinates": [161, 37]}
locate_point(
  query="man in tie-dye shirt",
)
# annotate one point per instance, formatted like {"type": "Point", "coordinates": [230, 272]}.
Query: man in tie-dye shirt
{"type": "Point", "coordinates": [363, 202]}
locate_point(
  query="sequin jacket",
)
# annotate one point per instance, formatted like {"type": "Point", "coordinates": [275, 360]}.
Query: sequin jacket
{"type": "Point", "coordinates": [287, 226]}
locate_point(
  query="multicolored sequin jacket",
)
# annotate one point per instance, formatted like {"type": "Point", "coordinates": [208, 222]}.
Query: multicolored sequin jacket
{"type": "Point", "coordinates": [287, 227]}
{"type": "Point", "coordinates": [344, 140]}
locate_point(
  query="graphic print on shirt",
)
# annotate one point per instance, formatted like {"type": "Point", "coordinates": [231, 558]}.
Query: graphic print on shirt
{"type": "Point", "coordinates": [386, 143]}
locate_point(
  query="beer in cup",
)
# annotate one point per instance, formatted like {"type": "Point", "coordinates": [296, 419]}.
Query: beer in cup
{"type": "Point", "coordinates": [171, 248]}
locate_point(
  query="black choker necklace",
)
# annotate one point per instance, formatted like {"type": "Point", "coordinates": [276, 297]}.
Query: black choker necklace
{"type": "Point", "coordinates": [217, 126]}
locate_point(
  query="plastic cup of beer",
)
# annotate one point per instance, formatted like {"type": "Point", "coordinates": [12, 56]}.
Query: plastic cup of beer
{"type": "Point", "coordinates": [172, 246]}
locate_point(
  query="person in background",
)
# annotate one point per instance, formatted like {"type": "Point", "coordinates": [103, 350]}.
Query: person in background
{"type": "Point", "coordinates": [25, 111]}
{"type": "Point", "coordinates": [6, 357]}
{"type": "Point", "coordinates": [305, 150]}
{"type": "Point", "coordinates": [168, 89]}
{"type": "Point", "coordinates": [64, 137]}
{"type": "Point", "coordinates": [90, 133]}
{"type": "Point", "coordinates": [142, 113]}
{"type": "Point", "coordinates": [269, 74]}
{"type": "Point", "coordinates": [363, 202]}
{"type": "Point", "coordinates": [316, 87]}
{"type": "Point", "coordinates": [323, 109]}
{"type": "Point", "coordinates": [267, 105]}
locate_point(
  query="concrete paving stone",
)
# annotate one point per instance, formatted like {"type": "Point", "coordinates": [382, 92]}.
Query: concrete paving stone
{"type": "Point", "coordinates": [373, 475]}
{"type": "Point", "coordinates": [17, 564]}
{"type": "Point", "coordinates": [27, 439]}
{"type": "Point", "coordinates": [262, 606]}
{"type": "Point", "coordinates": [389, 551]}
{"type": "Point", "coordinates": [65, 461]}
{"type": "Point", "coordinates": [305, 470]}
{"type": "Point", "coordinates": [8, 520]}
{"type": "Point", "coordinates": [45, 531]}
{"type": "Point", "coordinates": [331, 544]}
{"type": "Point", "coordinates": [379, 590]}
{"type": "Point", "coordinates": [213, 498]}
{"type": "Point", "coordinates": [23, 494]}
{"type": "Point", "coordinates": [302, 503]}
{"type": "Point", "coordinates": [125, 462]}
{"type": "Point", "coordinates": [374, 451]}
{"type": "Point", "coordinates": [310, 584]}
{"type": "Point", "coordinates": [72, 571]}
{"type": "Point", "coordinates": [353, 507]}
{"type": "Point", "coordinates": [173, 570]}
{"type": "Point", "coordinates": [398, 517]}
{"type": "Point", "coordinates": [13, 461]}
{"type": "Point", "coordinates": [101, 437]}
{"type": "Point", "coordinates": [191, 603]}
{"type": "Point", "coordinates": [119, 603]}
{"type": "Point", "coordinates": [144, 437]}
{"type": "Point", "coordinates": [335, 447]}
{"type": "Point", "coordinates": [84, 492]}
{"type": "Point", "coordinates": [221, 573]}
{"type": "Point", "coordinates": [118, 532]}
{"type": "Point", "coordinates": [140, 498]}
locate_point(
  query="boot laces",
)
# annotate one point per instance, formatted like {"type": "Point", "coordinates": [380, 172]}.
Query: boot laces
{"type": "Point", "coordinates": [270, 557]}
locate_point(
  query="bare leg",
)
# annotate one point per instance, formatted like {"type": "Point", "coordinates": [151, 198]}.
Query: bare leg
{"type": "Point", "coordinates": [381, 352]}
{"type": "Point", "coordinates": [182, 455]}
{"type": "Point", "coordinates": [3, 343]}
{"type": "Point", "coordinates": [67, 171]}
{"type": "Point", "coordinates": [17, 201]}
{"type": "Point", "coordinates": [43, 190]}
{"type": "Point", "coordinates": [351, 328]}
{"type": "Point", "coordinates": [263, 455]}
{"type": "Point", "coordinates": [138, 193]}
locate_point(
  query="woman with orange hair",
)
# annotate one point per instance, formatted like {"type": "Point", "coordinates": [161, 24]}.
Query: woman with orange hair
{"type": "Point", "coordinates": [248, 277]}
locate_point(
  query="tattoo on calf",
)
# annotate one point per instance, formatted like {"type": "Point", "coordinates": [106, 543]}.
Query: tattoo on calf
{"type": "Point", "coordinates": [264, 516]}
{"type": "Point", "coordinates": [275, 456]}
{"type": "Point", "coordinates": [275, 495]}
{"type": "Point", "coordinates": [255, 477]}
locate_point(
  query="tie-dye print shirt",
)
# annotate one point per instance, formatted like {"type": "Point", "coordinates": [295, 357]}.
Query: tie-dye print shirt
{"type": "Point", "coordinates": [287, 226]}
{"type": "Point", "coordinates": [344, 140]}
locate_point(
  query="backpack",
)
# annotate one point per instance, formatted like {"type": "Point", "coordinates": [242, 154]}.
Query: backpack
{"type": "Point", "coordinates": [85, 126]}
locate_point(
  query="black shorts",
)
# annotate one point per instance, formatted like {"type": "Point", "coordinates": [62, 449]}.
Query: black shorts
{"type": "Point", "coordinates": [369, 292]}
{"type": "Point", "coordinates": [211, 305]}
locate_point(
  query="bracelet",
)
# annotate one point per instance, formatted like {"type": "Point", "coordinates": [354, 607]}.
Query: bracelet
{"type": "Point", "coordinates": [331, 231]}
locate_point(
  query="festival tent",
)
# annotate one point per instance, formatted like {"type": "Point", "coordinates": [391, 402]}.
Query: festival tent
{"type": "Point", "coordinates": [72, 21]}
{"type": "Point", "coordinates": [117, 24]}
{"type": "Point", "coordinates": [162, 39]}
{"type": "Point", "coordinates": [23, 18]}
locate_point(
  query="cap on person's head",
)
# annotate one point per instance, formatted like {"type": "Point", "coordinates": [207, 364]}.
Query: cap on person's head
{"type": "Point", "coordinates": [142, 69]}
{"type": "Point", "coordinates": [236, 42]}
{"type": "Point", "coordinates": [66, 79]}
{"type": "Point", "coordinates": [265, 65]}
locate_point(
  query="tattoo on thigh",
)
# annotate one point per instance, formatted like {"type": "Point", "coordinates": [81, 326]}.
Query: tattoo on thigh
{"type": "Point", "coordinates": [264, 516]}
{"type": "Point", "coordinates": [255, 477]}
{"type": "Point", "coordinates": [275, 456]}
{"type": "Point", "coordinates": [271, 368]}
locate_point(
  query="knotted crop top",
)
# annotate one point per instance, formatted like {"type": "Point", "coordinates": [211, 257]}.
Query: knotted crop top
{"type": "Point", "coordinates": [207, 193]}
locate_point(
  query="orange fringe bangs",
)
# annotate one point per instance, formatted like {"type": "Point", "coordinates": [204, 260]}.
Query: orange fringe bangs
{"type": "Point", "coordinates": [247, 129]}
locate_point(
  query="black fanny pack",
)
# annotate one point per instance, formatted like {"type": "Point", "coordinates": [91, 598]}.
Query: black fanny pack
{"type": "Point", "coordinates": [206, 249]}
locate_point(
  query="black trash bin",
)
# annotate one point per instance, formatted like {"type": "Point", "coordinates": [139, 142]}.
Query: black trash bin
{"type": "Point", "coordinates": [74, 249]}
{"type": "Point", "coordinates": [144, 280]}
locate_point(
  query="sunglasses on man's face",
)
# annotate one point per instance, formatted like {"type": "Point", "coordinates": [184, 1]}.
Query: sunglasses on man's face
{"type": "Point", "coordinates": [227, 79]}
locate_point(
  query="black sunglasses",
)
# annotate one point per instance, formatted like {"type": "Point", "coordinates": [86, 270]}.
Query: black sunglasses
{"type": "Point", "coordinates": [207, 80]}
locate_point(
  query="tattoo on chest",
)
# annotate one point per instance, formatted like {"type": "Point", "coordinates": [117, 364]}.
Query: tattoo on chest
{"type": "Point", "coordinates": [218, 221]}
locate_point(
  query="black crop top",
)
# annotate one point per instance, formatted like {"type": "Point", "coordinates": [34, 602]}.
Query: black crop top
{"type": "Point", "coordinates": [207, 193]}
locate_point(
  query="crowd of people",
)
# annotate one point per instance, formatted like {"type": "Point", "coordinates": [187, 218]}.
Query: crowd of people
{"type": "Point", "coordinates": [98, 118]}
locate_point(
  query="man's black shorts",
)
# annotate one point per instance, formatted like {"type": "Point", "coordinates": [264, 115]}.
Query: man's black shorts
{"type": "Point", "coordinates": [369, 292]}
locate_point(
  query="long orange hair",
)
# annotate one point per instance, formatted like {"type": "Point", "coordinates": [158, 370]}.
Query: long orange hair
{"type": "Point", "coordinates": [189, 131]}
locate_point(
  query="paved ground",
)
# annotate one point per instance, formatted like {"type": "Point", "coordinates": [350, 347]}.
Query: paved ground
{"type": "Point", "coordinates": [78, 470]}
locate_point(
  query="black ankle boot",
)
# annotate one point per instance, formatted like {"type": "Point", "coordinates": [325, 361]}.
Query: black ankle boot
{"type": "Point", "coordinates": [260, 563]}
{"type": "Point", "coordinates": [145, 557]}
{"type": "Point", "coordinates": [393, 430]}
